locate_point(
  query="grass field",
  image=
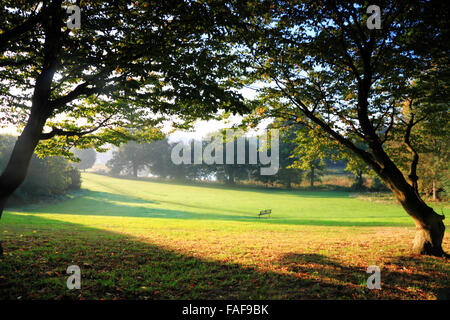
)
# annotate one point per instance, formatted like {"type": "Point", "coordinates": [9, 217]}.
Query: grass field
{"type": "Point", "coordinates": [151, 240]}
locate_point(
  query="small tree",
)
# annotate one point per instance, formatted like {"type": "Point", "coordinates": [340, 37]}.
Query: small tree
{"type": "Point", "coordinates": [130, 158]}
{"type": "Point", "coordinates": [288, 174]}
{"type": "Point", "coordinates": [159, 162]}
{"type": "Point", "coordinates": [87, 158]}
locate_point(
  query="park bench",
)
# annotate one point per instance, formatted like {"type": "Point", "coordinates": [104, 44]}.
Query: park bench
{"type": "Point", "coordinates": [263, 212]}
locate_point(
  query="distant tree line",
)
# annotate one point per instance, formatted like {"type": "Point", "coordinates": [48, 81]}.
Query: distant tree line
{"type": "Point", "coordinates": [301, 158]}
{"type": "Point", "coordinates": [49, 176]}
{"type": "Point", "coordinates": [154, 158]}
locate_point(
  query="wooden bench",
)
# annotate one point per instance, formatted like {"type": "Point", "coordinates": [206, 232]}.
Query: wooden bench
{"type": "Point", "coordinates": [263, 212]}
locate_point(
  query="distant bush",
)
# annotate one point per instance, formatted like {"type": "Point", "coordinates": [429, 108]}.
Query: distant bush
{"type": "Point", "coordinates": [87, 158]}
{"type": "Point", "coordinates": [358, 185]}
{"type": "Point", "coordinates": [51, 176]}
{"type": "Point", "coordinates": [75, 178]}
{"type": "Point", "coordinates": [378, 185]}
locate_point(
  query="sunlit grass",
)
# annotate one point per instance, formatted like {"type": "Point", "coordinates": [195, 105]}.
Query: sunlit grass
{"type": "Point", "coordinates": [134, 238]}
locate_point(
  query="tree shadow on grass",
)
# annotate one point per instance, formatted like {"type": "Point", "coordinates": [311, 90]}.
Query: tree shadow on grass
{"type": "Point", "coordinates": [317, 193]}
{"type": "Point", "coordinates": [118, 266]}
{"type": "Point", "coordinates": [398, 276]}
{"type": "Point", "coordinates": [109, 204]}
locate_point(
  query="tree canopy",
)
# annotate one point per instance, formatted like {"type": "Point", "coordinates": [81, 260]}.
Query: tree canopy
{"type": "Point", "coordinates": [116, 78]}
{"type": "Point", "coordinates": [128, 66]}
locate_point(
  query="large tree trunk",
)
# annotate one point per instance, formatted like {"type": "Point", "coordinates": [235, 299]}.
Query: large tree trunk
{"type": "Point", "coordinates": [16, 169]}
{"type": "Point", "coordinates": [311, 177]}
{"type": "Point", "coordinates": [429, 224]}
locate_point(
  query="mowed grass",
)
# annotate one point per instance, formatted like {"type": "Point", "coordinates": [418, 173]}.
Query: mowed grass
{"type": "Point", "coordinates": [138, 239]}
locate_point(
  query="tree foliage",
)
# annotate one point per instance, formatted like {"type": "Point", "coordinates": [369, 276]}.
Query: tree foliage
{"type": "Point", "coordinates": [128, 66]}
{"type": "Point", "coordinates": [51, 176]}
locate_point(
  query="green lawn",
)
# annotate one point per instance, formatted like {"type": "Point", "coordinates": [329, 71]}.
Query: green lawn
{"type": "Point", "coordinates": [151, 240]}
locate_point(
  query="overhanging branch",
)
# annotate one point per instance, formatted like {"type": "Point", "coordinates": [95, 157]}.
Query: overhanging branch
{"type": "Point", "coordinates": [61, 132]}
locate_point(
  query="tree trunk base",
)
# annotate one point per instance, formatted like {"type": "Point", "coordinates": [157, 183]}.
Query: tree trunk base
{"type": "Point", "coordinates": [428, 239]}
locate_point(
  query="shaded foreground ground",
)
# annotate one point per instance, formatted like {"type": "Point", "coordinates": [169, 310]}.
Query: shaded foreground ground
{"type": "Point", "coordinates": [146, 240]}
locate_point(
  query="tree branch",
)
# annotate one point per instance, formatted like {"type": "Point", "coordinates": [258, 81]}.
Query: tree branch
{"type": "Point", "coordinates": [81, 89]}
{"type": "Point", "coordinates": [407, 141]}
{"type": "Point", "coordinates": [14, 33]}
{"type": "Point", "coordinates": [61, 132]}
